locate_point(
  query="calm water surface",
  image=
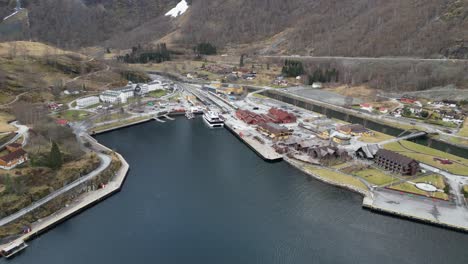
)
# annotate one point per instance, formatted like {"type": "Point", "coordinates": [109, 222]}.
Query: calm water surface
{"type": "Point", "coordinates": [195, 195]}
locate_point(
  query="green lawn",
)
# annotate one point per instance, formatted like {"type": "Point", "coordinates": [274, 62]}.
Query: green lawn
{"type": "Point", "coordinates": [464, 130]}
{"type": "Point", "coordinates": [434, 179]}
{"type": "Point", "coordinates": [408, 187]}
{"type": "Point", "coordinates": [110, 117]}
{"type": "Point", "coordinates": [426, 155]}
{"type": "Point", "coordinates": [340, 166]}
{"type": "Point", "coordinates": [74, 115]}
{"type": "Point", "coordinates": [377, 137]}
{"type": "Point", "coordinates": [337, 177]}
{"type": "Point", "coordinates": [375, 176]}
{"type": "Point", "coordinates": [158, 93]}
{"type": "Point", "coordinates": [259, 96]}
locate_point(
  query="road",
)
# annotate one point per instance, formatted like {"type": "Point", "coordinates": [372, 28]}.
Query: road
{"type": "Point", "coordinates": [22, 131]}
{"type": "Point", "coordinates": [14, 100]}
{"type": "Point", "coordinates": [384, 59]}
{"type": "Point", "coordinates": [105, 161]}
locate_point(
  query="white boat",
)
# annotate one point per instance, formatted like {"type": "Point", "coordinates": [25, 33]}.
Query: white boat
{"type": "Point", "coordinates": [212, 119]}
{"type": "Point", "coordinates": [189, 115]}
{"type": "Point", "coordinates": [13, 248]}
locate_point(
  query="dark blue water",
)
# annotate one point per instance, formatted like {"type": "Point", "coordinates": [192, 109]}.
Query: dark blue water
{"type": "Point", "coordinates": [195, 195]}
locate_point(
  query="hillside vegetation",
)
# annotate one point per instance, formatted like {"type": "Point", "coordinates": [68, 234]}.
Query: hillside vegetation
{"type": "Point", "coordinates": [426, 28]}
{"type": "Point", "coordinates": [41, 72]}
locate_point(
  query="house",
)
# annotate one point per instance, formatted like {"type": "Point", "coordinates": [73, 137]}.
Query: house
{"type": "Point", "coordinates": [395, 162]}
{"type": "Point", "coordinates": [14, 147]}
{"type": "Point", "coordinates": [367, 151]}
{"type": "Point", "coordinates": [355, 130]}
{"type": "Point", "coordinates": [383, 110]}
{"type": "Point", "coordinates": [87, 101]}
{"type": "Point", "coordinates": [13, 159]}
{"type": "Point", "coordinates": [366, 107]}
{"type": "Point", "coordinates": [407, 100]}
{"type": "Point", "coordinates": [327, 152]}
{"type": "Point", "coordinates": [317, 85]}
{"type": "Point", "coordinates": [305, 145]}
{"type": "Point", "coordinates": [61, 122]}
{"type": "Point", "coordinates": [274, 131]}
{"type": "Point", "coordinates": [281, 116]}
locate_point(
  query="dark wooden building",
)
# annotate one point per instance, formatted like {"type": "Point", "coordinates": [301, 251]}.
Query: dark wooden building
{"type": "Point", "coordinates": [392, 161]}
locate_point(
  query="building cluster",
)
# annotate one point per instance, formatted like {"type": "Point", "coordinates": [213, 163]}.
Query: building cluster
{"type": "Point", "coordinates": [274, 115]}
{"type": "Point", "coordinates": [121, 94]}
{"type": "Point", "coordinates": [224, 89]}
{"type": "Point", "coordinates": [16, 156]}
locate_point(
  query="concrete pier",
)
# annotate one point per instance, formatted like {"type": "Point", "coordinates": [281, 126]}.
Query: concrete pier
{"type": "Point", "coordinates": [264, 151]}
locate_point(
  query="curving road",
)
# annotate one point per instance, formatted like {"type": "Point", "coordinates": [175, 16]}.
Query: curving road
{"type": "Point", "coordinates": [105, 161]}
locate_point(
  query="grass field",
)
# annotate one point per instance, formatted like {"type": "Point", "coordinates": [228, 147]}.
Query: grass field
{"type": "Point", "coordinates": [74, 115]}
{"type": "Point", "coordinates": [110, 117]}
{"type": "Point", "coordinates": [4, 126]}
{"type": "Point", "coordinates": [408, 187]}
{"type": "Point", "coordinates": [118, 123]}
{"type": "Point", "coordinates": [426, 155]}
{"type": "Point", "coordinates": [434, 179]}
{"type": "Point", "coordinates": [259, 96]}
{"type": "Point", "coordinates": [337, 177]}
{"type": "Point", "coordinates": [375, 176]}
{"type": "Point", "coordinates": [464, 130]}
{"type": "Point", "coordinates": [32, 49]}
{"type": "Point", "coordinates": [158, 93]}
{"type": "Point", "coordinates": [376, 138]}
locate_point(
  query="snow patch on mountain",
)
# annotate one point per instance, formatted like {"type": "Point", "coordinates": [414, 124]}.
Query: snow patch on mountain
{"type": "Point", "coordinates": [179, 9]}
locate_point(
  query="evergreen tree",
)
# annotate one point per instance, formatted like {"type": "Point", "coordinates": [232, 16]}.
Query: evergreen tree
{"type": "Point", "coordinates": [55, 157]}
{"type": "Point", "coordinates": [241, 62]}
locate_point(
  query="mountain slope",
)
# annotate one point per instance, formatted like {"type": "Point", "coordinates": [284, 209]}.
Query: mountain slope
{"type": "Point", "coordinates": [425, 28]}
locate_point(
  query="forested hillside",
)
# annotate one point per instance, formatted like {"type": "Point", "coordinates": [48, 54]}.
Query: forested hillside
{"type": "Point", "coordinates": [426, 28]}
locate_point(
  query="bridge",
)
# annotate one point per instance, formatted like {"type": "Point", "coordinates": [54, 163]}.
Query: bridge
{"type": "Point", "coordinates": [414, 134]}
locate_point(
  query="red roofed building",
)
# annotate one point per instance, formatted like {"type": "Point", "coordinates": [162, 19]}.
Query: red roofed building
{"type": "Point", "coordinates": [281, 116]}
{"type": "Point", "coordinates": [252, 118]}
{"type": "Point", "coordinates": [407, 100]}
{"type": "Point", "coordinates": [13, 159]}
{"type": "Point", "coordinates": [62, 122]}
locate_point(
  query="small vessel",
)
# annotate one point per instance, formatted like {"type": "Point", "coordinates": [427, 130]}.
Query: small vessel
{"type": "Point", "coordinates": [13, 248]}
{"type": "Point", "coordinates": [212, 119]}
{"type": "Point", "coordinates": [189, 115]}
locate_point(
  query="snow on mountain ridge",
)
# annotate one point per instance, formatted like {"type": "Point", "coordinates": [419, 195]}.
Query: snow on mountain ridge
{"type": "Point", "coordinates": [178, 10]}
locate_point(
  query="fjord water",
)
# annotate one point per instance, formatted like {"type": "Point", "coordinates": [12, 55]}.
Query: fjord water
{"type": "Point", "coordinates": [197, 195]}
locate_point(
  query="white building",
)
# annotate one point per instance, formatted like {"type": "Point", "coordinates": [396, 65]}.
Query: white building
{"type": "Point", "coordinates": [317, 85]}
{"type": "Point", "coordinates": [141, 89]}
{"type": "Point", "coordinates": [87, 101]}
{"type": "Point", "coordinates": [155, 85]}
{"type": "Point", "coordinates": [118, 95]}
